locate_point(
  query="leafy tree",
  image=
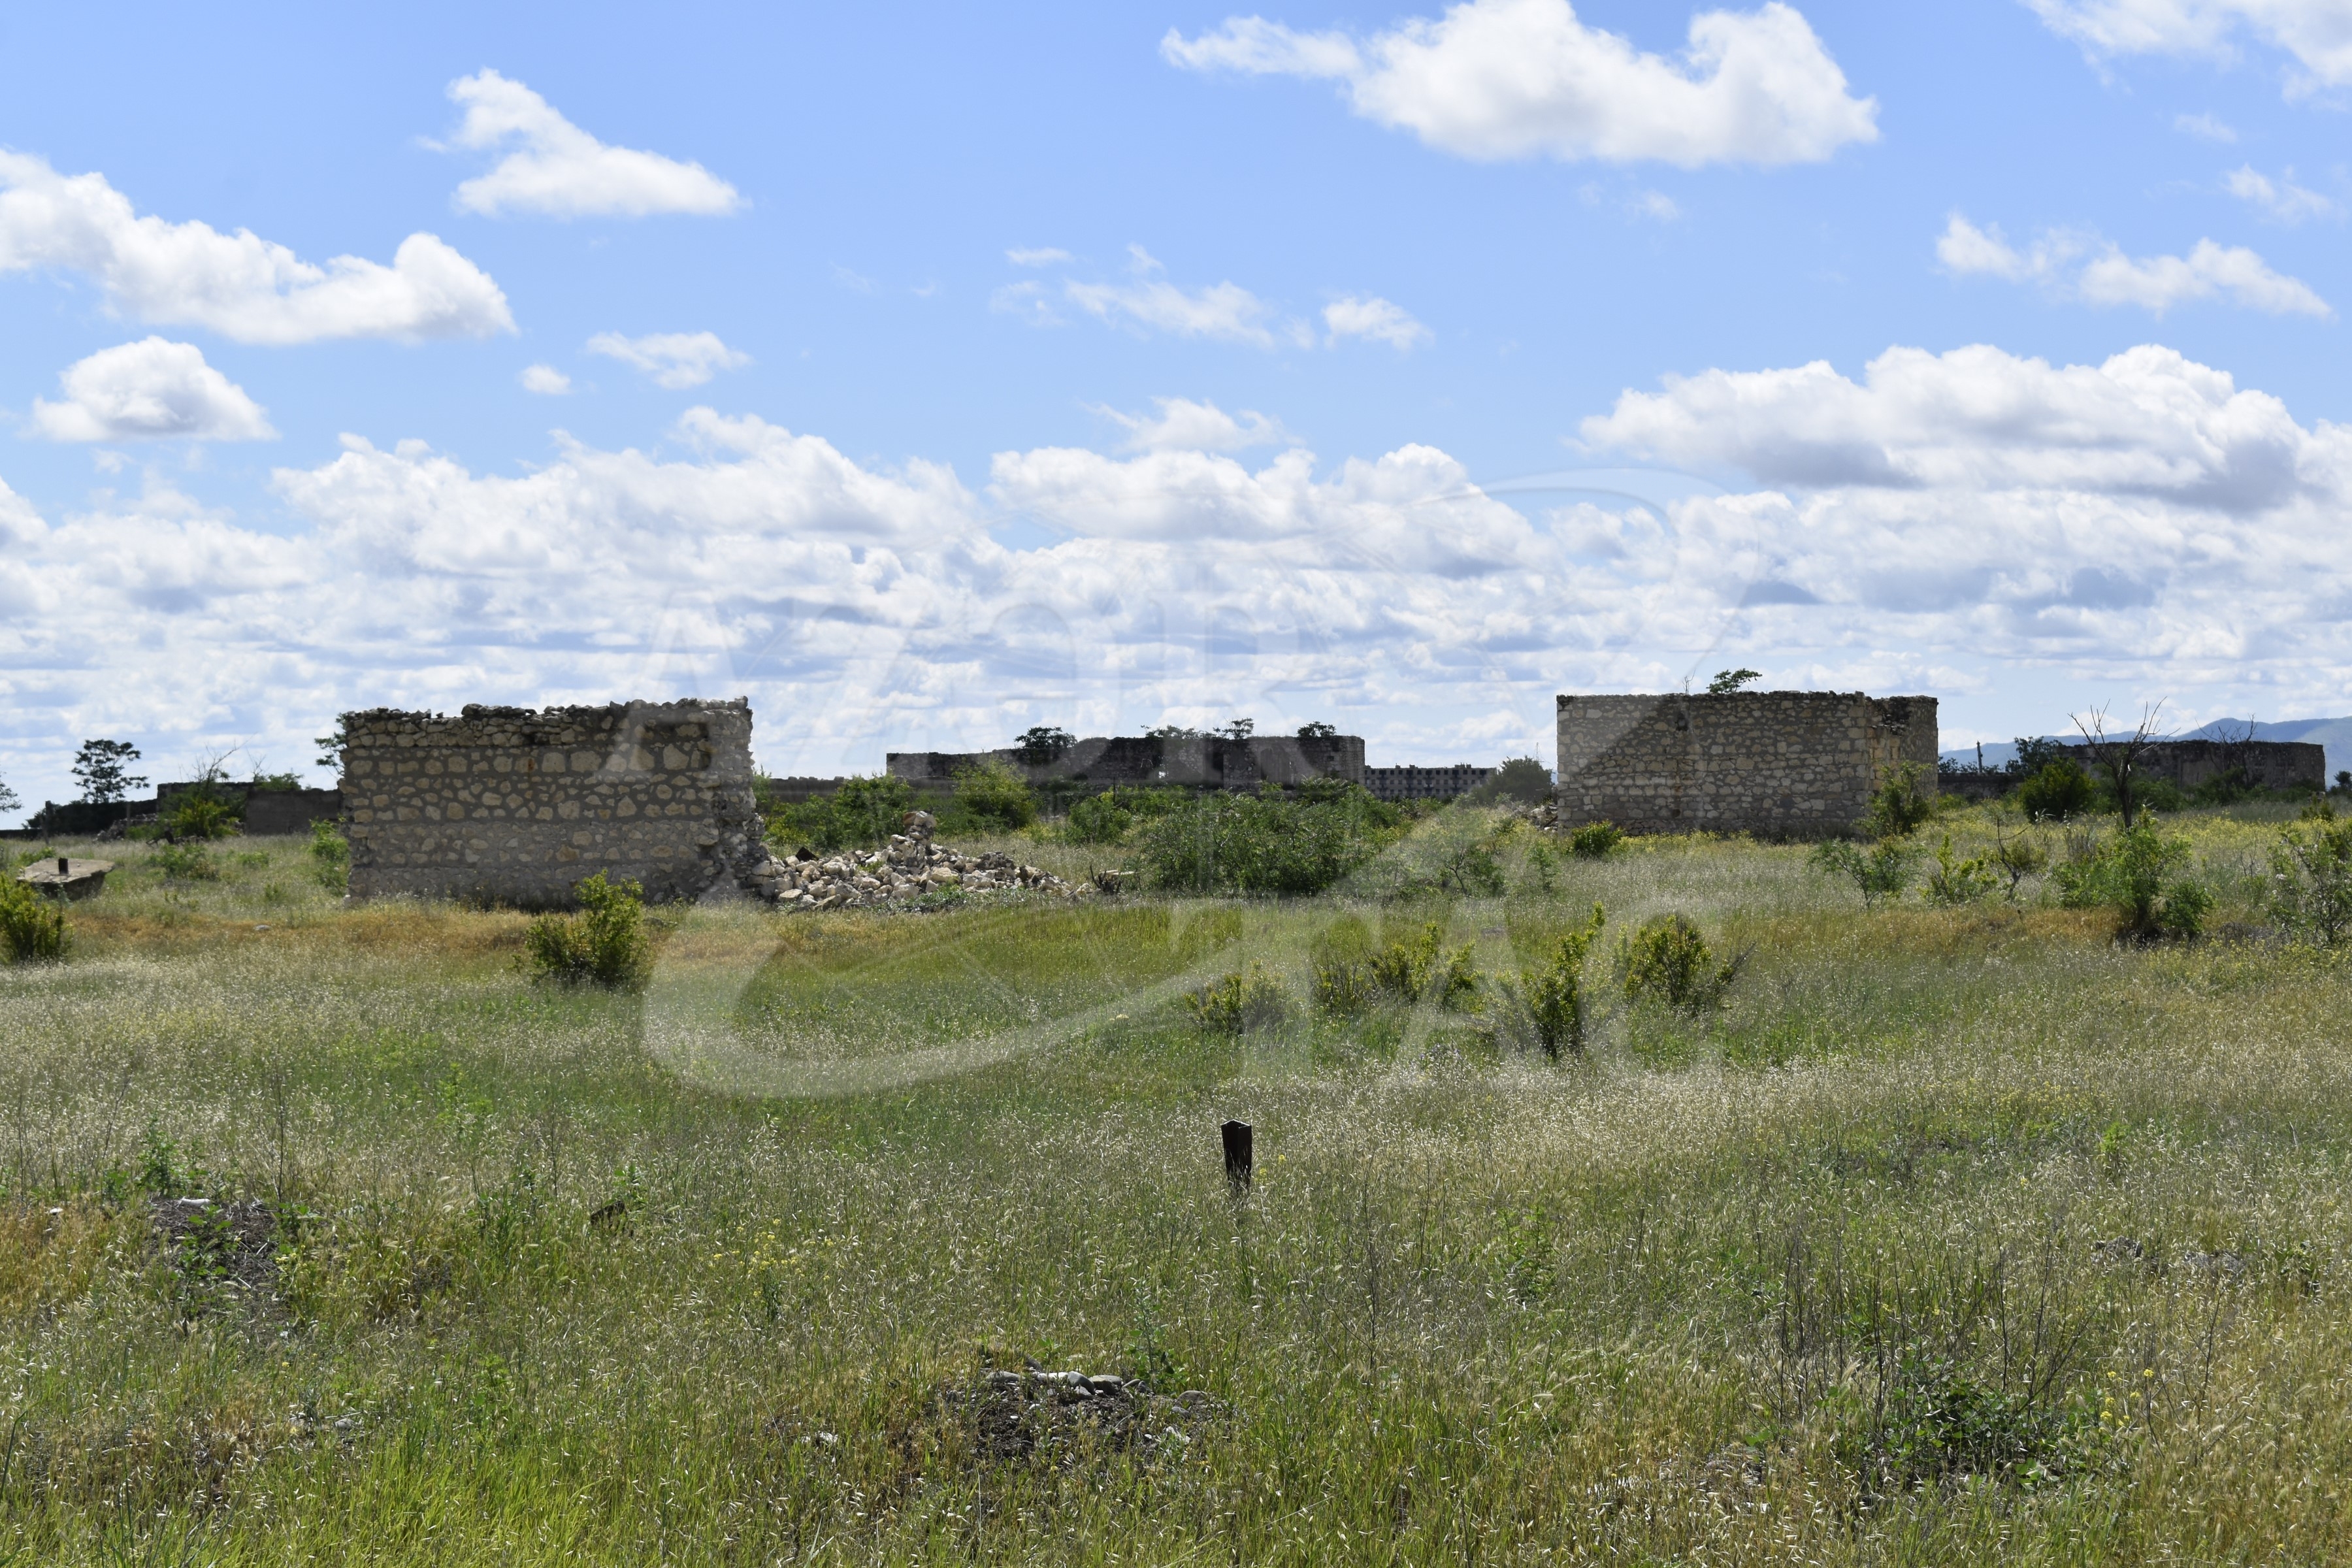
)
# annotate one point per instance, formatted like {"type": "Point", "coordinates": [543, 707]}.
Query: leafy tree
{"type": "Point", "coordinates": [331, 749]}
{"type": "Point", "coordinates": [9, 801]}
{"type": "Point", "coordinates": [1521, 779]}
{"type": "Point", "coordinates": [1042, 744]}
{"type": "Point", "coordinates": [994, 799]}
{"type": "Point", "coordinates": [1317, 730]}
{"type": "Point", "coordinates": [1727, 681]}
{"type": "Point", "coordinates": [1239, 730]}
{"type": "Point", "coordinates": [2058, 790]}
{"type": "Point", "coordinates": [1173, 732]}
{"type": "Point", "coordinates": [102, 769]}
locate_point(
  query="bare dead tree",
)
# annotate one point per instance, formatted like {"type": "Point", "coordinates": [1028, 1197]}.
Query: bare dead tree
{"type": "Point", "coordinates": [2118, 755]}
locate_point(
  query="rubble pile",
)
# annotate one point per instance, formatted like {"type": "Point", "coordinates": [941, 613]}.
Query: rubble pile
{"type": "Point", "coordinates": [908, 870]}
{"type": "Point", "coordinates": [1036, 1414]}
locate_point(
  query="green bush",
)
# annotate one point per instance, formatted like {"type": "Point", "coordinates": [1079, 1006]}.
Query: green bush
{"type": "Point", "coordinates": [1595, 840]}
{"type": "Point", "coordinates": [1669, 963]}
{"type": "Point", "coordinates": [1098, 819]}
{"type": "Point", "coordinates": [1554, 990]}
{"type": "Point", "coordinates": [2138, 874]}
{"type": "Point", "coordinates": [32, 928]}
{"type": "Point", "coordinates": [862, 813]}
{"type": "Point", "coordinates": [330, 856]}
{"type": "Point", "coordinates": [991, 798]}
{"type": "Point", "coordinates": [1240, 1003]}
{"type": "Point", "coordinates": [185, 863]}
{"type": "Point", "coordinates": [1881, 871]}
{"type": "Point", "coordinates": [1957, 881]}
{"type": "Point", "coordinates": [1899, 805]}
{"type": "Point", "coordinates": [2311, 877]}
{"type": "Point", "coordinates": [1352, 975]}
{"type": "Point", "coordinates": [200, 813]}
{"type": "Point", "coordinates": [2057, 791]}
{"type": "Point", "coordinates": [1264, 843]}
{"type": "Point", "coordinates": [604, 944]}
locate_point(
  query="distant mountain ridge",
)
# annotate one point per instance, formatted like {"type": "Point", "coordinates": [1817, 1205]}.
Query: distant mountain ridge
{"type": "Point", "coordinates": [2335, 734]}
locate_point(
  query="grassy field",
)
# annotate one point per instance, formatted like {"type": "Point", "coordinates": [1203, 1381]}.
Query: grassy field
{"type": "Point", "coordinates": [1954, 1236]}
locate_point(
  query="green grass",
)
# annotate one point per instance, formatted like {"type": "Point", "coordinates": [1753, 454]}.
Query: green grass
{"type": "Point", "coordinates": [1817, 1276]}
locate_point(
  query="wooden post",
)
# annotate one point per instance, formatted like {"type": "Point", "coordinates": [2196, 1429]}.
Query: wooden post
{"type": "Point", "coordinates": [1238, 1153]}
{"type": "Point", "coordinates": [63, 867]}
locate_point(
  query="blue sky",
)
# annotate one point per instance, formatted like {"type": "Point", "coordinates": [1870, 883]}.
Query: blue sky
{"type": "Point", "coordinates": [1483, 335]}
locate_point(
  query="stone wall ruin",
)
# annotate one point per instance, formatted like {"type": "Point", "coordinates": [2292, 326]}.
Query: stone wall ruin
{"type": "Point", "coordinates": [509, 805]}
{"type": "Point", "coordinates": [1780, 763]}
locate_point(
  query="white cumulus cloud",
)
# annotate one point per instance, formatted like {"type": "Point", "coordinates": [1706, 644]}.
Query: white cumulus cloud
{"type": "Point", "coordinates": [545, 380]}
{"type": "Point", "coordinates": [1183, 425]}
{"type": "Point", "coordinates": [238, 285]}
{"type": "Point", "coordinates": [675, 360]}
{"type": "Point", "coordinates": [2316, 33]}
{"type": "Point", "coordinates": [150, 390]}
{"type": "Point", "coordinates": [1041, 256]}
{"type": "Point", "coordinates": [558, 170]}
{"type": "Point", "coordinates": [2109, 277]}
{"type": "Point", "coordinates": [1514, 78]}
{"type": "Point", "coordinates": [1369, 316]}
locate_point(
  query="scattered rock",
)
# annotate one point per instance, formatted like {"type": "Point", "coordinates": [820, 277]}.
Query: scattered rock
{"type": "Point", "coordinates": [1030, 1414]}
{"type": "Point", "coordinates": [899, 876]}
{"type": "Point", "coordinates": [2225, 1265]}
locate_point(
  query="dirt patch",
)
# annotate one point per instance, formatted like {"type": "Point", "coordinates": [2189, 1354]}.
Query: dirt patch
{"type": "Point", "coordinates": [1051, 1415]}
{"type": "Point", "coordinates": [218, 1250]}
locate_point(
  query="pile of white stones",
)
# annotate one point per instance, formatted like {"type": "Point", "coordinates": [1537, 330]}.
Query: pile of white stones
{"type": "Point", "coordinates": [911, 867]}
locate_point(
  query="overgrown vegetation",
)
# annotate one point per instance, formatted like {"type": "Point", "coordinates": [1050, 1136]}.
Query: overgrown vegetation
{"type": "Point", "coordinates": [32, 928]}
{"type": "Point", "coordinates": [861, 814]}
{"type": "Point", "coordinates": [2311, 867]}
{"type": "Point", "coordinates": [1595, 840]}
{"type": "Point", "coordinates": [1554, 989]}
{"type": "Point", "coordinates": [604, 944]}
{"type": "Point", "coordinates": [1937, 1237]}
{"type": "Point", "coordinates": [330, 856]}
{"type": "Point", "coordinates": [1270, 842]}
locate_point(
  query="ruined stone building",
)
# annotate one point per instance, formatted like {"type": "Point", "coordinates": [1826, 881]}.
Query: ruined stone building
{"type": "Point", "coordinates": [510, 805]}
{"type": "Point", "coordinates": [1195, 761]}
{"type": "Point", "coordinates": [1793, 763]}
{"type": "Point", "coordinates": [2297, 766]}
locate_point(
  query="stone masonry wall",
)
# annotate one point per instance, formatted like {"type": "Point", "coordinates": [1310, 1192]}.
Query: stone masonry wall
{"type": "Point", "coordinates": [510, 805]}
{"type": "Point", "coordinates": [1786, 764]}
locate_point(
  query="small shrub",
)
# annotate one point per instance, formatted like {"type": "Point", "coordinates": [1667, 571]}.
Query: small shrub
{"type": "Point", "coordinates": [2311, 877]}
{"type": "Point", "coordinates": [1595, 840]}
{"type": "Point", "coordinates": [1957, 881]}
{"type": "Point", "coordinates": [1899, 805]}
{"type": "Point", "coordinates": [2015, 856]}
{"type": "Point", "coordinates": [992, 798]}
{"type": "Point", "coordinates": [330, 856]}
{"type": "Point", "coordinates": [2137, 875]}
{"type": "Point", "coordinates": [2057, 791]}
{"type": "Point", "coordinates": [1881, 871]}
{"type": "Point", "coordinates": [32, 928]}
{"type": "Point", "coordinates": [185, 863]}
{"type": "Point", "coordinates": [604, 944]}
{"type": "Point", "coordinates": [1555, 990]}
{"type": "Point", "coordinates": [1669, 963]}
{"type": "Point", "coordinates": [1099, 819]}
{"type": "Point", "coordinates": [1543, 868]}
{"type": "Point", "coordinates": [1240, 1003]}
{"type": "Point", "coordinates": [1351, 975]}
{"type": "Point", "coordinates": [200, 813]}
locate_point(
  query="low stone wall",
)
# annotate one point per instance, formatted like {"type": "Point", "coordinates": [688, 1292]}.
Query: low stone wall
{"type": "Point", "coordinates": [1784, 764]}
{"type": "Point", "coordinates": [509, 805]}
{"type": "Point", "coordinates": [281, 811]}
{"type": "Point", "coordinates": [2297, 766]}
